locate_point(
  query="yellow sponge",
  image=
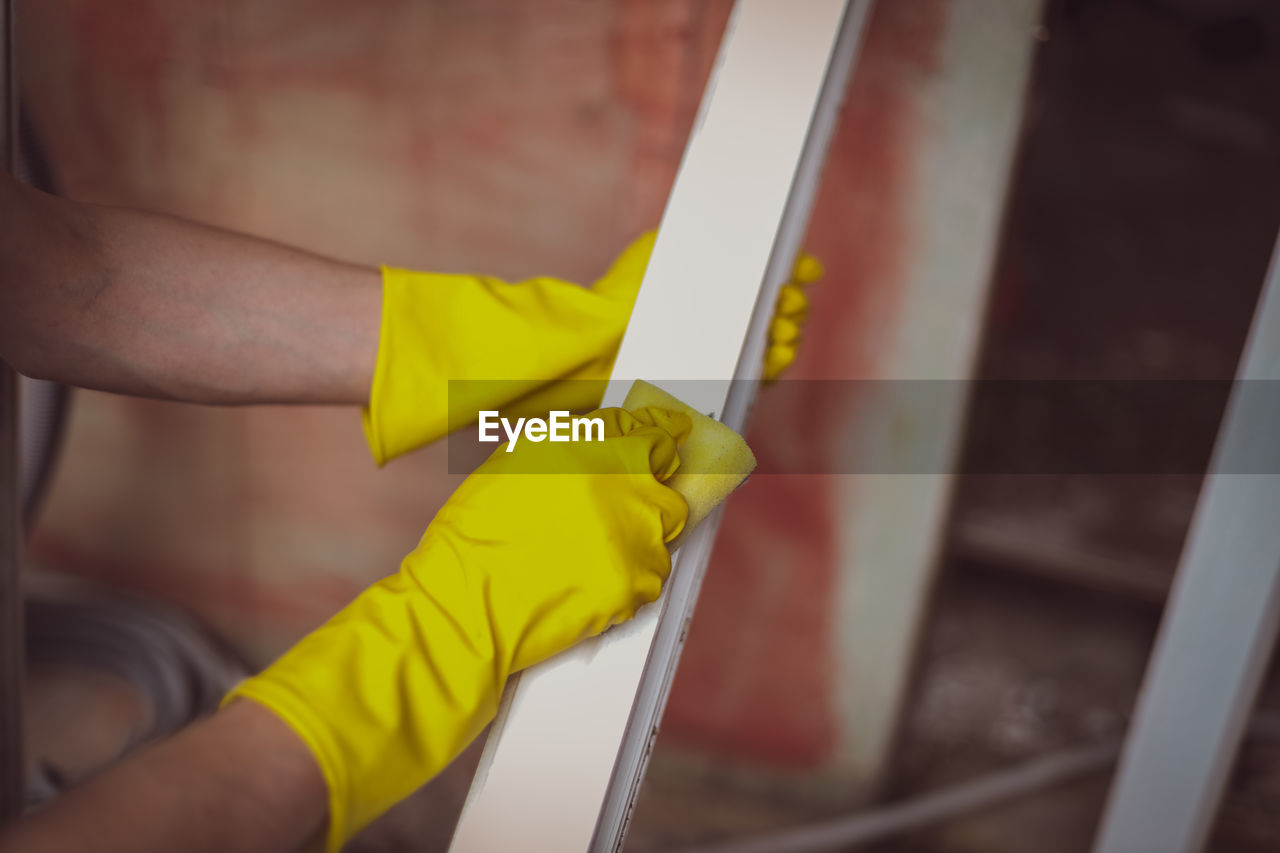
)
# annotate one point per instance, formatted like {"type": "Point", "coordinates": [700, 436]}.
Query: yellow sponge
{"type": "Point", "coordinates": [714, 460]}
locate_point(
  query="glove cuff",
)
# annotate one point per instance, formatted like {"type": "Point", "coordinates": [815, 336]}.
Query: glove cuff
{"type": "Point", "coordinates": [508, 342]}
{"type": "Point", "coordinates": [298, 713]}
{"type": "Point", "coordinates": [369, 420]}
{"type": "Point", "coordinates": [386, 693]}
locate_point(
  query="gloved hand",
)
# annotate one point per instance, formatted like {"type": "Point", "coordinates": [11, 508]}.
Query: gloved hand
{"type": "Point", "coordinates": [536, 550]}
{"type": "Point", "coordinates": [789, 314]}
{"type": "Point", "coordinates": [529, 347]}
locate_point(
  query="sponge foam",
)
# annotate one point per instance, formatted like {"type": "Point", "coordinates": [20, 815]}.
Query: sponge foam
{"type": "Point", "coordinates": [714, 460]}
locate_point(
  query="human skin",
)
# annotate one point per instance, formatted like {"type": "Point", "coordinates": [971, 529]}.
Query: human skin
{"type": "Point", "coordinates": [151, 305]}
{"type": "Point", "coordinates": [240, 781]}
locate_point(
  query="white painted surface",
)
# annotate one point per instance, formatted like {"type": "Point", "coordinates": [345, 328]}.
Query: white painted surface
{"type": "Point", "coordinates": [893, 527]}
{"type": "Point", "coordinates": [686, 583]}
{"type": "Point", "coordinates": [1219, 627]}
{"type": "Point", "coordinates": [553, 750]}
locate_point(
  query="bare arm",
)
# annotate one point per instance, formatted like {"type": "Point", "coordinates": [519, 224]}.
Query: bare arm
{"type": "Point", "coordinates": [238, 782]}
{"type": "Point", "coordinates": [144, 304]}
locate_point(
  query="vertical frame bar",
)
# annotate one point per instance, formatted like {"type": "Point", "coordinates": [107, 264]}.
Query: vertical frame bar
{"type": "Point", "coordinates": [673, 626]}
{"type": "Point", "coordinates": [572, 738]}
{"type": "Point", "coordinates": [1220, 624]}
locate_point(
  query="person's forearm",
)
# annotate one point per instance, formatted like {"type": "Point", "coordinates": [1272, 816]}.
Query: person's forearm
{"type": "Point", "coordinates": [151, 305]}
{"type": "Point", "coordinates": [238, 782]}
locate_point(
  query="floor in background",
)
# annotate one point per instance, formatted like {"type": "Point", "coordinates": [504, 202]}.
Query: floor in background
{"type": "Point", "coordinates": [1014, 669]}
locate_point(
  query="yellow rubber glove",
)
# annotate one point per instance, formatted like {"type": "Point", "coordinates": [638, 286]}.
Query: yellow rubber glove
{"type": "Point", "coordinates": [536, 550]}
{"type": "Point", "coordinates": [789, 314]}
{"type": "Point", "coordinates": [526, 348]}
{"type": "Point", "coordinates": [512, 345]}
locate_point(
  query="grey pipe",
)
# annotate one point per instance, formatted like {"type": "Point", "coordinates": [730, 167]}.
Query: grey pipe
{"type": "Point", "coordinates": [927, 810]}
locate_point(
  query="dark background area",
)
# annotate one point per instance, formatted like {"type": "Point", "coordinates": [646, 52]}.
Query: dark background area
{"type": "Point", "coordinates": [1144, 209]}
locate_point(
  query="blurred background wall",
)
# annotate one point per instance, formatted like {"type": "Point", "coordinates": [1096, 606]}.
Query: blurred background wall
{"type": "Point", "coordinates": [1121, 215]}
